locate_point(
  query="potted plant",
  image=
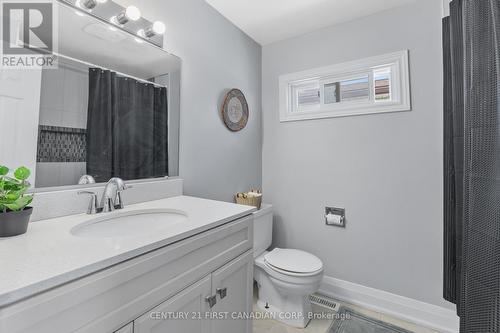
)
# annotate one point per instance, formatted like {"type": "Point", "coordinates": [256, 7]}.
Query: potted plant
{"type": "Point", "coordinates": [14, 211]}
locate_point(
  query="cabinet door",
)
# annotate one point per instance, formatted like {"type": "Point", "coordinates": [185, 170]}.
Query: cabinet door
{"type": "Point", "coordinates": [183, 313]}
{"type": "Point", "coordinates": [129, 328]}
{"type": "Point", "coordinates": [233, 285]}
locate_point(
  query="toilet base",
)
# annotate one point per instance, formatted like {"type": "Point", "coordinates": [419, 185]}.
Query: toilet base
{"type": "Point", "coordinates": [297, 319]}
{"type": "Point", "coordinates": [290, 309]}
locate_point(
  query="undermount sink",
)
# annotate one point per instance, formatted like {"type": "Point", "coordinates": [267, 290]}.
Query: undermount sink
{"type": "Point", "coordinates": [132, 223]}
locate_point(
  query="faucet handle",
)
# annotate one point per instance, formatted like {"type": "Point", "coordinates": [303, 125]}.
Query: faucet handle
{"type": "Point", "coordinates": [93, 205]}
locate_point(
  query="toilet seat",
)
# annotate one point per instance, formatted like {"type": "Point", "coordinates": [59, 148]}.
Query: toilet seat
{"type": "Point", "coordinates": [293, 262]}
{"type": "Point", "coordinates": [288, 278]}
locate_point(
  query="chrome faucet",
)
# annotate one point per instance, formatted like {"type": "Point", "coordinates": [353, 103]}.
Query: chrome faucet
{"type": "Point", "coordinates": [111, 197]}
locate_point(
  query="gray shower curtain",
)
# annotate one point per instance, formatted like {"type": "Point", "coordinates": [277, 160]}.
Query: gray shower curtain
{"type": "Point", "coordinates": [472, 163]}
{"type": "Point", "coordinates": [127, 127]}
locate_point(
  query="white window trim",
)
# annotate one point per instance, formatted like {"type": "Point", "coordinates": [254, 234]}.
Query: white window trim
{"type": "Point", "coordinates": [400, 85]}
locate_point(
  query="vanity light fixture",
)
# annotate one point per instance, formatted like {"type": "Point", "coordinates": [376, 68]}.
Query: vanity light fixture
{"type": "Point", "coordinates": [157, 28]}
{"type": "Point", "coordinates": [131, 13]}
{"type": "Point", "coordinates": [128, 19]}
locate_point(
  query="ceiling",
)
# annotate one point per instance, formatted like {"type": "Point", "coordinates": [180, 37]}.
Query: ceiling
{"type": "Point", "coordinates": [269, 21]}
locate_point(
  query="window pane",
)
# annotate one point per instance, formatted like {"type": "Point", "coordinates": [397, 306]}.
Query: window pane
{"type": "Point", "coordinates": [382, 78]}
{"type": "Point", "coordinates": [307, 95]}
{"type": "Point", "coordinates": [332, 93]}
{"type": "Point", "coordinates": [354, 90]}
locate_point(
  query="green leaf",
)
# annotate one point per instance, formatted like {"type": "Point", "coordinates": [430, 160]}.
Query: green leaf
{"type": "Point", "coordinates": [3, 170]}
{"type": "Point", "coordinates": [12, 196]}
{"type": "Point", "coordinates": [10, 184]}
{"type": "Point", "coordinates": [22, 173]}
{"type": "Point", "coordinates": [20, 203]}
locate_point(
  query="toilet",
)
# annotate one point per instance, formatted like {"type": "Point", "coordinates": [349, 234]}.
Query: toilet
{"type": "Point", "coordinates": [285, 277]}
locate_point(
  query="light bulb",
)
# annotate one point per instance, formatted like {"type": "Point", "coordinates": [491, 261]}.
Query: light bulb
{"type": "Point", "coordinates": [159, 27]}
{"type": "Point", "coordinates": [130, 13]}
{"type": "Point", "coordinates": [133, 13]}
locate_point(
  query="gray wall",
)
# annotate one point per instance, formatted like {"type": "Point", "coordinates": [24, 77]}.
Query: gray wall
{"type": "Point", "coordinates": [384, 169]}
{"type": "Point", "coordinates": [216, 56]}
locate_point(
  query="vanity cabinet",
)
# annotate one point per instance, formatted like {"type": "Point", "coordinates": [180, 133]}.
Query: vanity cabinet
{"type": "Point", "coordinates": [230, 288]}
{"type": "Point", "coordinates": [233, 287]}
{"type": "Point", "coordinates": [182, 313]}
{"type": "Point", "coordinates": [174, 278]}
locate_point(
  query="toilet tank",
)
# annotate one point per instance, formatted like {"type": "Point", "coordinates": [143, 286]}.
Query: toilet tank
{"type": "Point", "coordinates": [262, 229]}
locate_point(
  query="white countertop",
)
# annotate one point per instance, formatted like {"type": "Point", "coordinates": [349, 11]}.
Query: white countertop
{"type": "Point", "coordinates": [48, 255]}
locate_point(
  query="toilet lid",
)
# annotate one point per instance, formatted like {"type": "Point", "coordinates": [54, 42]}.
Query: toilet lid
{"type": "Point", "coordinates": [295, 261]}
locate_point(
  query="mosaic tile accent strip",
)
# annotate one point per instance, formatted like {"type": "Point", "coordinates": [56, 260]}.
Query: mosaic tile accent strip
{"type": "Point", "coordinates": [61, 144]}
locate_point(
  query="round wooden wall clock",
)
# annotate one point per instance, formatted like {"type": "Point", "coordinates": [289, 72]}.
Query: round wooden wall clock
{"type": "Point", "coordinates": [235, 110]}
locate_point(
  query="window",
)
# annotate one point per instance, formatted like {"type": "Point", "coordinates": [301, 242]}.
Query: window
{"type": "Point", "coordinates": [372, 85]}
{"type": "Point", "coordinates": [382, 84]}
{"type": "Point", "coordinates": [306, 94]}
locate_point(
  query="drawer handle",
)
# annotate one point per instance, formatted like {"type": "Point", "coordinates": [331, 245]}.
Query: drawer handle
{"type": "Point", "coordinates": [222, 292]}
{"type": "Point", "coordinates": [211, 300]}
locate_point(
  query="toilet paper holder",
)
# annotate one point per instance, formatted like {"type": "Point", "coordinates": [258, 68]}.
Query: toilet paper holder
{"type": "Point", "coordinates": [338, 212]}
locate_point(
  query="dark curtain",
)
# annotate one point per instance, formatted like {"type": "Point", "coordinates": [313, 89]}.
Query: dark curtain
{"type": "Point", "coordinates": [472, 163]}
{"type": "Point", "coordinates": [100, 124]}
{"type": "Point", "coordinates": [450, 259]}
{"type": "Point", "coordinates": [127, 128]}
{"type": "Point", "coordinates": [453, 149]}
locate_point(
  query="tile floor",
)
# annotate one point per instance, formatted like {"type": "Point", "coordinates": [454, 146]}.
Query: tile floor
{"type": "Point", "coordinates": [321, 326]}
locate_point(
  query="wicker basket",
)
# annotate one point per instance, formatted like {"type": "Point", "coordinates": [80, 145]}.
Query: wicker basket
{"type": "Point", "coordinates": [249, 200]}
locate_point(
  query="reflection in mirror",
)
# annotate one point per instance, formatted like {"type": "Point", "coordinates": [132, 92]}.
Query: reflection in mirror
{"type": "Point", "coordinates": [104, 125]}
{"type": "Point", "coordinates": [110, 109]}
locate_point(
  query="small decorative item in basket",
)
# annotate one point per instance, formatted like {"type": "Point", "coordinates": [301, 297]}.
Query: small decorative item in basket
{"type": "Point", "coordinates": [252, 198]}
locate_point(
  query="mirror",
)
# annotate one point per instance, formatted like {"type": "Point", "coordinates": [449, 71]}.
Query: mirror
{"type": "Point", "coordinates": [110, 109]}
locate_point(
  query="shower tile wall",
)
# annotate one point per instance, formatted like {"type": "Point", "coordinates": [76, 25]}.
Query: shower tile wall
{"type": "Point", "coordinates": [63, 103]}
{"type": "Point", "coordinates": [61, 144]}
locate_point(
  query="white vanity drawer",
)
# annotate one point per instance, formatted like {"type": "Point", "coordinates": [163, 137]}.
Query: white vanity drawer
{"type": "Point", "coordinates": [107, 300]}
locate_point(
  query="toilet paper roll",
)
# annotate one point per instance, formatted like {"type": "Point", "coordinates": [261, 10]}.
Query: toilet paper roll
{"type": "Point", "coordinates": [334, 219]}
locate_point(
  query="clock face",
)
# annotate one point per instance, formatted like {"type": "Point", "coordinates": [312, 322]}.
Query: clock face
{"type": "Point", "coordinates": [235, 110]}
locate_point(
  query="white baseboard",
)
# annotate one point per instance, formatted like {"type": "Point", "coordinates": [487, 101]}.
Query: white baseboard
{"type": "Point", "coordinates": [407, 309]}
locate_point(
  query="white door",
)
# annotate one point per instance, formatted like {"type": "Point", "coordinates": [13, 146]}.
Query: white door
{"type": "Point", "coordinates": [19, 113]}
{"type": "Point", "coordinates": [233, 285]}
{"type": "Point", "coordinates": [183, 313]}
